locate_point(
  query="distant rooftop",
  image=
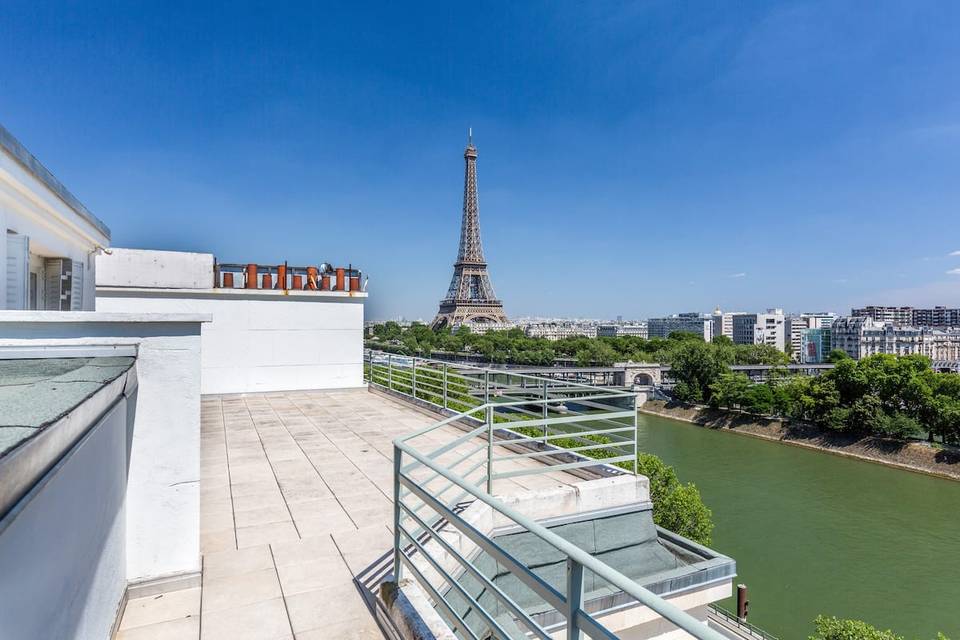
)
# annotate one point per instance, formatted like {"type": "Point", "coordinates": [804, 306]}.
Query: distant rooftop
{"type": "Point", "coordinates": [20, 153]}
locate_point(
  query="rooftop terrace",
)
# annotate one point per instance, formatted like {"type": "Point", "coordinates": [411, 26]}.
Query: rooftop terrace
{"type": "Point", "coordinates": [296, 502]}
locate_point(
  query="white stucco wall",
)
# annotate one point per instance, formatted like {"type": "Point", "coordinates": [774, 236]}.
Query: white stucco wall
{"type": "Point", "coordinates": [163, 482]}
{"type": "Point", "coordinates": [30, 206]}
{"type": "Point", "coordinates": [62, 548]}
{"type": "Point", "coordinates": [158, 269]}
{"type": "Point", "coordinates": [263, 340]}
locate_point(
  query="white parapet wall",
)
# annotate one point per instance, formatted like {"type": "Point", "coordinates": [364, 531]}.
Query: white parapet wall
{"type": "Point", "coordinates": [162, 500]}
{"type": "Point", "coordinates": [259, 340]}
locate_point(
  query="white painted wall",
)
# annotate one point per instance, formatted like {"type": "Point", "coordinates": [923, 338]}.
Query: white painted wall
{"type": "Point", "coordinates": [62, 571]}
{"type": "Point", "coordinates": [155, 269]}
{"type": "Point", "coordinates": [30, 206]}
{"type": "Point", "coordinates": [263, 340]}
{"type": "Point", "coordinates": [163, 483]}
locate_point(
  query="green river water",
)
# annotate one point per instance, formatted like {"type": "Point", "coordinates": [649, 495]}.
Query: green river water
{"type": "Point", "coordinates": [817, 533]}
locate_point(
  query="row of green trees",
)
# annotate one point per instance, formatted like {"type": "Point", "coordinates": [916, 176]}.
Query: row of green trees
{"type": "Point", "coordinates": [881, 395]}
{"type": "Point", "coordinates": [514, 347]}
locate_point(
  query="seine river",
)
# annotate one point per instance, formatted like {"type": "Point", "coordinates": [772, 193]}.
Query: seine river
{"type": "Point", "coordinates": [817, 533]}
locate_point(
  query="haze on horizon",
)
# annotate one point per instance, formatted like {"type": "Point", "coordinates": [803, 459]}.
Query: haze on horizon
{"type": "Point", "coordinates": [635, 159]}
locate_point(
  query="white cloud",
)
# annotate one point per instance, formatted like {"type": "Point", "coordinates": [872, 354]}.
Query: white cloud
{"type": "Point", "coordinates": [954, 272]}
{"type": "Point", "coordinates": [954, 253]}
{"type": "Point", "coordinates": [737, 275]}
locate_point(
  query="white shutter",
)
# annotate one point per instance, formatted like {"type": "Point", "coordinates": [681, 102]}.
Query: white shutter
{"type": "Point", "coordinates": [76, 287]}
{"type": "Point", "coordinates": [18, 268]}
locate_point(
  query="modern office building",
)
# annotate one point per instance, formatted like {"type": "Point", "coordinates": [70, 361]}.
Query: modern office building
{"type": "Point", "coordinates": [690, 322]}
{"type": "Point", "coordinates": [815, 345]}
{"type": "Point", "coordinates": [896, 315]}
{"type": "Point", "coordinates": [723, 322]}
{"type": "Point", "coordinates": [760, 328]}
{"type": "Point", "coordinates": [795, 325]}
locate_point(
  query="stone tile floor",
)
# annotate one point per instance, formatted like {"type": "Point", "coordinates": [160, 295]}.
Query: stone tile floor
{"type": "Point", "coordinates": [295, 503]}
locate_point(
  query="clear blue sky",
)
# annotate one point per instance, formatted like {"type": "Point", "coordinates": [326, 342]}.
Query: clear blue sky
{"type": "Point", "coordinates": [635, 158]}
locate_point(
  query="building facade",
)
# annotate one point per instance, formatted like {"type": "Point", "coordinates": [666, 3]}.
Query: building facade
{"type": "Point", "coordinates": [638, 329]}
{"type": "Point", "coordinates": [761, 328]}
{"type": "Point", "coordinates": [815, 345]}
{"type": "Point", "coordinates": [688, 322]}
{"type": "Point", "coordinates": [559, 330]}
{"type": "Point", "coordinates": [50, 240]}
{"type": "Point", "coordinates": [861, 336]}
{"type": "Point", "coordinates": [796, 325]}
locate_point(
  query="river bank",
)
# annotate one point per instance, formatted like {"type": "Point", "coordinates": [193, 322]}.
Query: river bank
{"type": "Point", "coordinates": [911, 456]}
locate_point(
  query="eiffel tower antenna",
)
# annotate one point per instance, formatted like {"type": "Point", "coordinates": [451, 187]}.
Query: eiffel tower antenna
{"type": "Point", "coordinates": [470, 298]}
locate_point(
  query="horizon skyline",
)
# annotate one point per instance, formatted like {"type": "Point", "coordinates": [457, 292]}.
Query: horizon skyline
{"type": "Point", "coordinates": [635, 160]}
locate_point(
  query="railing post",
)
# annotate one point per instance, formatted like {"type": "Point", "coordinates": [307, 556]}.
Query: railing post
{"type": "Point", "coordinates": [546, 412]}
{"type": "Point", "coordinates": [413, 386]}
{"type": "Point", "coordinates": [574, 598]}
{"type": "Point", "coordinates": [636, 439]}
{"type": "Point", "coordinates": [444, 385]}
{"type": "Point", "coordinates": [390, 371]}
{"type": "Point", "coordinates": [490, 450]}
{"type": "Point", "coordinates": [397, 565]}
{"type": "Point", "coordinates": [486, 386]}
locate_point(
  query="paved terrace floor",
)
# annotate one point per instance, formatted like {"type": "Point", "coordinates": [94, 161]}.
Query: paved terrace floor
{"type": "Point", "coordinates": [295, 503]}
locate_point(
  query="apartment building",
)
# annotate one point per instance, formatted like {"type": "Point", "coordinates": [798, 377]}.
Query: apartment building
{"type": "Point", "coordinates": [559, 330]}
{"type": "Point", "coordinates": [638, 329]}
{"type": "Point", "coordinates": [931, 317]}
{"type": "Point", "coordinates": [861, 336]}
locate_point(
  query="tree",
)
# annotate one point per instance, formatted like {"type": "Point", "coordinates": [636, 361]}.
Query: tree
{"type": "Point", "coordinates": [697, 365]}
{"type": "Point", "coordinates": [676, 507]}
{"type": "Point", "coordinates": [730, 390]}
{"type": "Point", "coordinates": [836, 355]}
{"type": "Point", "coordinates": [866, 415]}
{"type": "Point", "coordinates": [758, 399]}
{"type": "Point", "coordinates": [831, 628]}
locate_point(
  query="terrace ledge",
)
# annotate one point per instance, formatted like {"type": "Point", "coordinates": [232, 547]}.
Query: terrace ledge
{"type": "Point", "coordinates": [60, 317]}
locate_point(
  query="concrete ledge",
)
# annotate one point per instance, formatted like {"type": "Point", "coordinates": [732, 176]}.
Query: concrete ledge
{"type": "Point", "coordinates": [69, 317]}
{"type": "Point", "coordinates": [222, 292]}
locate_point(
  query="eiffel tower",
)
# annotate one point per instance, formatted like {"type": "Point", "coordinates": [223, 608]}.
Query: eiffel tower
{"type": "Point", "coordinates": [470, 298]}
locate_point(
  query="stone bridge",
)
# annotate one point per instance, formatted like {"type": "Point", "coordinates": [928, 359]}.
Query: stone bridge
{"type": "Point", "coordinates": [640, 374]}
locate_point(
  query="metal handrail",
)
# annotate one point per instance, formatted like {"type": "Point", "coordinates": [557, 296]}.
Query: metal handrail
{"type": "Point", "coordinates": [730, 618]}
{"type": "Point", "coordinates": [408, 544]}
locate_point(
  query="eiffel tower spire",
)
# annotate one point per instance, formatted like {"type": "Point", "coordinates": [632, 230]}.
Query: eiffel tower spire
{"type": "Point", "coordinates": [470, 298]}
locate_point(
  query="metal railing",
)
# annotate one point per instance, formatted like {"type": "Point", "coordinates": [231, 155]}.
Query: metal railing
{"type": "Point", "coordinates": [507, 425]}
{"type": "Point", "coordinates": [742, 627]}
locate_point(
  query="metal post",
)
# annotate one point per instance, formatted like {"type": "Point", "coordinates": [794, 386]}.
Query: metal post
{"type": "Point", "coordinates": [742, 603]}
{"type": "Point", "coordinates": [490, 450]}
{"type": "Point", "coordinates": [444, 385]}
{"type": "Point", "coordinates": [397, 565]}
{"type": "Point", "coordinates": [486, 386]}
{"type": "Point", "coordinates": [413, 387]}
{"type": "Point", "coordinates": [636, 439]}
{"type": "Point", "coordinates": [390, 372]}
{"type": "Point", "coordinates": [574, 598]}
{"type": "Point", "coordinates": [546, 412]}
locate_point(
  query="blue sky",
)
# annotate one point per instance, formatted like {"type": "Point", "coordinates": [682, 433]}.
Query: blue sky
{"type": "Point", "coordinates": [635, 158]}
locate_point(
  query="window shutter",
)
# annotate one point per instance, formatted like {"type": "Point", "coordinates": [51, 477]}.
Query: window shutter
{"type": "Point", "coordinates": [18, 268]}
{"type": "Point", "coordinates": [76, 287]}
